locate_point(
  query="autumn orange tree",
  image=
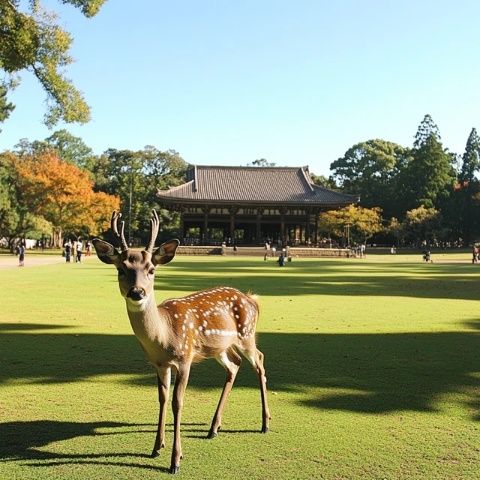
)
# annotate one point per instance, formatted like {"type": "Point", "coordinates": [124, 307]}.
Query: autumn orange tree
{"type": "Point", "coordinates": [63, 195]}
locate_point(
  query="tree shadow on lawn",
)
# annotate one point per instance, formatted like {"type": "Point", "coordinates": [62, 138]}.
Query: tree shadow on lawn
{"type": "Point", "coordinates": [456, 282]}
{"type": "Point", "coordinates": [366, 373]}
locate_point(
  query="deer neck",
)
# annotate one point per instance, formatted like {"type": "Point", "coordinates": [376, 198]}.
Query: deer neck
{"type": "Point", "coordinates": [149, 324]}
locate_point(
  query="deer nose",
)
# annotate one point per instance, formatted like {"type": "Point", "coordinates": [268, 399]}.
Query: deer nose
{"type": "Point", "coordinates": [136, 293]}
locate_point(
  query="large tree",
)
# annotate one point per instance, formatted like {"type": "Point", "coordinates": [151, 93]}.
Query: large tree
{"type": "Point", "coordinates": [467, 190]}
{"type": "Point", "coordinates": [62, 194]}
{"type": "Point", "coordinates": [136, 176]}
{"type": "Point", "coordinates": [429, 176]}
{"type": "Point", "coordinates": [5, 106]}
{"type": "Point", "coordinates": [361, 223]}
{"type": "Point", "coordinates": [72, 149]}
{"type": "Point", "coordinates": [370, 169]}
{"type": "Point", "coordinates": [9, 214]}
{"type": "Point", "coordinates": [422, 226]}
{"type": "Point", "coordinates": [31, 39]}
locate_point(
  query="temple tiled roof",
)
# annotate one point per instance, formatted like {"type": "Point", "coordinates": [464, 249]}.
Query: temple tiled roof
{"type": "Point", "coordinates": [266, 185]}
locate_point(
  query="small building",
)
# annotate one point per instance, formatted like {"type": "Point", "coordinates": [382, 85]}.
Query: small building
{"type": "Point", "coordinates": [250, 205]}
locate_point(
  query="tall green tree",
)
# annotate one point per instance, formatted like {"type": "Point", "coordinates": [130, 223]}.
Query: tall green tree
{"type": "Point", "coordinates": [323, 181]}
{"type": "Point", "coordinates": [31, 39]}
{"type": "Point", "coordinates": [370, 169]}
{"type": "Point", "coordinates": [429, 176]}
{"type": "Point", "coordinates": [68, 147]}
{"type": "Point", "coordinates": [72, 149]}
{"type": "Point", "coordinates": [6, 108]}
{"type": "Point", "coordinates": [467, 190]}
{"type": "Point", "coordinates": [9, 215]}
{"type": "Point", "coordinates": [136, 176]}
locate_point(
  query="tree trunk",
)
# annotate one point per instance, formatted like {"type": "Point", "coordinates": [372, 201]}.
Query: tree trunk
{"type": "Point", "coordinates": [57, 237]}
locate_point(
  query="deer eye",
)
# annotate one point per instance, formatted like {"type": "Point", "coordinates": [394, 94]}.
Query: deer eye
{"type": "Point", "coordinates": [151, 271]}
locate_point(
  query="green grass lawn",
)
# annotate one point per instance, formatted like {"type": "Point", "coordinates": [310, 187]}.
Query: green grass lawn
{"type": "Point", "coordinates": [373, 368]}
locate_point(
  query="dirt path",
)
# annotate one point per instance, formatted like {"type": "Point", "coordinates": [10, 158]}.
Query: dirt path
{"type": "Point", "coordinates": [34, 260]}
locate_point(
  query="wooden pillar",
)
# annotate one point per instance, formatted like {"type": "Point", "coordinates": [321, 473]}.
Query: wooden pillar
{"type": "Point", "coordinates": [316, 227]}
{"type": "Point", "coordinates": [233, 210]}
{"type": "Point", "coordinates": [307, 226]}
{"type": "Point", "coordinates": [182, 225]}
{"type": "Point", "coordinates": [259, 225]}
{"type": "Point", "coordinates": [205, 225]}
{"type": "Point", "coordinates": [282, 223]}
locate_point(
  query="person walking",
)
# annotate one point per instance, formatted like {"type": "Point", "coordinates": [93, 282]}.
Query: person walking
{"type": "Point", "coordinates": [79, 247]}
{"type": "Point", "coordinates": [68, 251]}
{"type": "Point", "coordinates": [21, 255]}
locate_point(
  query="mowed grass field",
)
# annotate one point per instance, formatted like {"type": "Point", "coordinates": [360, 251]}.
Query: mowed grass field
{"type": "Point", "coordinates": [373, 368]}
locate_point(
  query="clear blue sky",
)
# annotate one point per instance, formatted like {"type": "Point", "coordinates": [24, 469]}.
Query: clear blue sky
{"type": "Point", "coordinates": [295, 82]}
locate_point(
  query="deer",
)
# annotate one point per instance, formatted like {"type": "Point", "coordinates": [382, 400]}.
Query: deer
{"type": "Point", "coordinates": [217, 323]}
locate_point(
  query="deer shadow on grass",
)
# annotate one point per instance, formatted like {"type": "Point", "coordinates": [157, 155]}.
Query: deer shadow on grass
{"type": "Point", "coordinates": [22, 441]}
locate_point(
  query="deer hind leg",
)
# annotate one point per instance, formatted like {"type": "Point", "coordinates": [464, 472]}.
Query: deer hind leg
{"type": "Point", "coordinates": [163, 379]}
{"type": "Point", "coordinates": [256, 357]}
{"type": "Point", "coordinates": [231, 361]}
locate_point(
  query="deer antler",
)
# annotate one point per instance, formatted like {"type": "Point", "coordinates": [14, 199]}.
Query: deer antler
{"type": "Point", "coordinates": [120, 236]}
{"type": "Point", "coordinates": [154, 227]}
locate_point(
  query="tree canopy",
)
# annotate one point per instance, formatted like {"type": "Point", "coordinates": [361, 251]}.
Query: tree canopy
{"type": "Point", "coordinates": [62, 194]}
{"type": "Point", "coordinates": [31, 39]}
{"type": "Point", "coordinates": [362, 222]}
{"type": "Point", "coordinates": [371, 169]}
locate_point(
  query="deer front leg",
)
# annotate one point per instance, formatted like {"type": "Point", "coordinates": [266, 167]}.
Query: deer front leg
{"type": "Point", "coordinates": [163, 379]}
{"type": "Point", "coordinates": [181, 381]}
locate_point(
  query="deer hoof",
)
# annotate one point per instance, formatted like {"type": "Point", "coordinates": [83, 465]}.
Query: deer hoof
{"type": "Point", "coordinates": [174, 469]}
{"type": "Point", "coordinates": [264, 429]}
{"type": "Point", "coordinates": [154, 454]}
{"type": "Point", "coordinates": [211, 434]}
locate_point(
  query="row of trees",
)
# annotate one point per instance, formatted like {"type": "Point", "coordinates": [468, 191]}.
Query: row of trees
{"type": "Point", "coordinates": [408, 195]}
{"type": "Point", "coordinates": [58, 185]}
{"type": "Point", "coordinates": [424, 192]}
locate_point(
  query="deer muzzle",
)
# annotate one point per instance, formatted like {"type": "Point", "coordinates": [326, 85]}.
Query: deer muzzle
{"type": "Point", "coordinates": [136, 294]}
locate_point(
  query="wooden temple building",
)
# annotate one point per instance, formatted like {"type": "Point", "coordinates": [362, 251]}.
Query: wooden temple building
{"type": "Point", "coordinates": [250, 205]}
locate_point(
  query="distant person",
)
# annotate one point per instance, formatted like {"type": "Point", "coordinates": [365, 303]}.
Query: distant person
{"type": "Point", "coordinates": [79, 251]}
{"type": "Point", "coordinates": [68, 251]}
{"type": "Point", "coordinates": [426, 256]}
{"type": "Point", "coordinates": [393, 250]}
{"type": "Point", "coordinates": [21, 255]}
{"type": "Point", "coordinates": [88, 248]}
{"type": "Point", "coordinates": [281, 260]}
{"type": "Point", "coordinates": [267, 249]}
{"type": "Point", "coordinates": [474, 255]}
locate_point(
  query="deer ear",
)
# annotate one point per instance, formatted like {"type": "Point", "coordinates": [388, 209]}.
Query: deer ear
{"type": "Point", "coordinates": [105, 251]}
{"type": "Point", "coordinates": [165, 252]}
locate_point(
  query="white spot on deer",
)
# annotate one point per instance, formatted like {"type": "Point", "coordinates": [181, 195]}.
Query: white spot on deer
{"type": "Point", "coordinates": [190, 324]}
